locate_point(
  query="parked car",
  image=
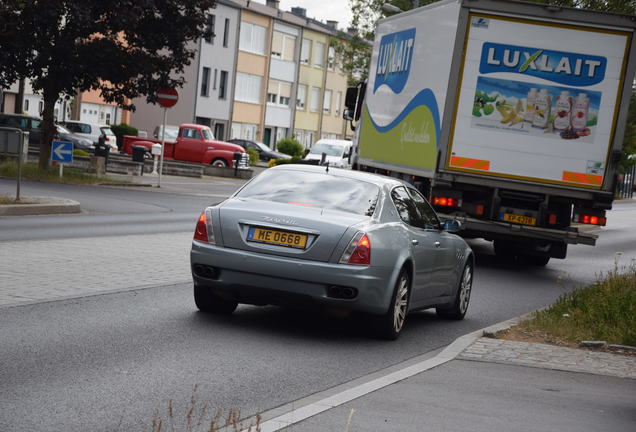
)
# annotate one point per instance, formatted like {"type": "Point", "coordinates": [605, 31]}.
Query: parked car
{"type": "Point", "coordinates": [79, 142]}
{"type": "Point", "coordinates": [172, 132]}
{"type": "Point", "coordinates": [24, 123]}
{"type": "Point", "coordinates": [300, 234]}
{"type": "Point", "coordinates": [92, 131]}
{"type": "Point", "coordinates": [338, 152]}
{"type": "Point", "coordinates": [264, 152]}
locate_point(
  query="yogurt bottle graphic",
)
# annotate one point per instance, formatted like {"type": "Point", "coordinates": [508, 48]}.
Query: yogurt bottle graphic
{"type": "Point", "coordinates": [528, 115]}
{"type": "Point", "coordinates": [542, 106]}
{"type": "Point", "coordinates": [563, 111]}
{"type": "Point", "coordinates": [579, 112]}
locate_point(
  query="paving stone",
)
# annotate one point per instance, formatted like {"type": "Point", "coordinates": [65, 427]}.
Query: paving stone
{"type": "Point", "coordinates": [553, 357]}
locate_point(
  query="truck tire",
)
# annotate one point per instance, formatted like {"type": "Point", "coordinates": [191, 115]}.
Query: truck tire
{"type": "Point", "coordinates": [457, 310]}
{"type": "Point", "coordinates": [537, 260]}
{"type": "Point", "coordinates": [207, 301]}
{"type": "Point", "coordinates": [220, 163]}
{"type": "Point", "coordinates": [389, 325]}
{"type": "Point", "coordinates": [504, 249]}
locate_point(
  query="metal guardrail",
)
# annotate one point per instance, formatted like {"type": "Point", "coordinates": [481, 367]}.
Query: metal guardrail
{"type": "Point", "coordinates": [15, 141]}
{"type": "Point", "coordinates": [625, 186]}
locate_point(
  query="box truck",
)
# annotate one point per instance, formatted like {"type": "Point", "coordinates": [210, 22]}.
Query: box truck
{"type": "Point", "coordinates": [509, 116]}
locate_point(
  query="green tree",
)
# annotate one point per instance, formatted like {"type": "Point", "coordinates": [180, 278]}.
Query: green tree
{"type": "Point", "coordinates": [123, 48]}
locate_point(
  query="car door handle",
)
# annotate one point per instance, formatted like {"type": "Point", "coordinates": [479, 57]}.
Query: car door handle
{"type": "Point", "coordinates": [415, 242]}
{"type": "Point", "coordinates": [210, 148]}
{"type": "Point", "coordinates": [437, 244]}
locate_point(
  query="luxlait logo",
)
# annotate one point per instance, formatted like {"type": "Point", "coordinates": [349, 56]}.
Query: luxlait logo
{"type": "Point", "coordinates": [562, 67]}
{"type": "Point", "coordinates": [394, 60]}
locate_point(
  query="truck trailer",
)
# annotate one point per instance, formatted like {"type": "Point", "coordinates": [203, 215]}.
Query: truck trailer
{"type": "Point", "coordinates": [509, 116]}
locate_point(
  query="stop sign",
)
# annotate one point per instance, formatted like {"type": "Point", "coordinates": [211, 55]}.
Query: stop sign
{"type": "Point", "coordinates": [167, 97]}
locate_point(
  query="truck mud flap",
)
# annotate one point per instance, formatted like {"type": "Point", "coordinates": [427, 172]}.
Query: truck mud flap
{"type": "Point", "coordinates": [493, 230]}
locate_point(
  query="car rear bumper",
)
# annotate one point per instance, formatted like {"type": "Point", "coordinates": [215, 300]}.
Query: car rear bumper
{"type": "Point", "coordinates": [254, 278]}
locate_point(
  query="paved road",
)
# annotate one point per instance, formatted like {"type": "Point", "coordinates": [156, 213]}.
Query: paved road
{"type": "Point", "coordinates": [108, 362]}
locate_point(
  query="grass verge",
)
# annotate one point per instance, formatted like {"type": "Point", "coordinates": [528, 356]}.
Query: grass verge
{"type": "Point", "coordinates": [605, 310]}
{"type": "Point", "coordinates": [32, 171]}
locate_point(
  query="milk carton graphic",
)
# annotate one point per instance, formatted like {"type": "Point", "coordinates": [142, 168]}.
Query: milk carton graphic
{"type": "Point", "coordinates": [528, 115]}
{"type": "Point", "coordinates": [563, 111]}
{"type": "Point", "coordinates": [579, 112]}
{"type": "Point", "coordinates": [542, 106]}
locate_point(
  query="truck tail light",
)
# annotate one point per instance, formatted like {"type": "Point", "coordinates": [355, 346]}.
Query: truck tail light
{"type": "Point", "coordinates": [480, 209]}
{"type": "Point", "coordinates": [204, 231]}
{"type": "Point", "coordinates": [358, 252]}
{"type": "Point", "coordinates": [552, 219]}
{"type": "Point", "coordinates": [446, 201]}
{"type": "Point", "coordinates": [589, 217]}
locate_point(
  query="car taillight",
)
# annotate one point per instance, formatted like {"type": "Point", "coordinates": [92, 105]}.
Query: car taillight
{"type": "Point", "coordinates": [446, 201]}
{"type": "Point", "coordinates": [204, 231]}
{"type": "Point", "coordinates": [358, 252]}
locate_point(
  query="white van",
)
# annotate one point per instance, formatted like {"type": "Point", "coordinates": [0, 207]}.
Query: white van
{"type": "Point", "coordinates": [338, 152]}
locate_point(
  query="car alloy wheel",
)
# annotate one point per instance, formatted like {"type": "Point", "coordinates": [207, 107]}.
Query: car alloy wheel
{"type": "Point", "coordinates": [220, 163]}
{"type": "Point", "coordinates": [458, 308]}
{"type": "Point", "coordinates": [401, 303]}
{"type": "Point", "coordinates": [389, 326]}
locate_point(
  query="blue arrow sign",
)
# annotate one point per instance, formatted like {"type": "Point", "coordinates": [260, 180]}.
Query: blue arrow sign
{"type": "Point", "coordinates": [62, 151]}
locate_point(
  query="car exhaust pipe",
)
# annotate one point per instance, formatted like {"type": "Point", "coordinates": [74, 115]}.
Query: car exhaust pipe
{"type": "Point", "coordinates": [205, 271]}
{"type": "Point", "coordinates": [340, 292]}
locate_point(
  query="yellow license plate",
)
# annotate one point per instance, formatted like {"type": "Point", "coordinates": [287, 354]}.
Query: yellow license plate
{"type": "Point", "coordinates": [514, 218]}
{"type": "Point", "coordinates": [281, 238]}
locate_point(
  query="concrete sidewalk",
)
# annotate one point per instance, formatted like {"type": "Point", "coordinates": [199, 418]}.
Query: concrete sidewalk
{"type": "Point", "coordinates": [478, 384]}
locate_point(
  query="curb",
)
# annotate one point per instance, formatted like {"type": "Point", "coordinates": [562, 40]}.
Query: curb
{"type": "Point", "coordinates": [41, 206]}
{"type": "Point", "coordinates": [283, 417]}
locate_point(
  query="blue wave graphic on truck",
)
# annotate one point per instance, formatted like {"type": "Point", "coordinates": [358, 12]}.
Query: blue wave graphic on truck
{"type": "Point", "coordinates": [394, 60]}
{"type": "Point", "coordinates": [577, 70]}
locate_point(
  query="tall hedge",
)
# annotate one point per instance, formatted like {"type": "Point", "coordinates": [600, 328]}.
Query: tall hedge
{"type": "Point", "coordinates": [123, 129]}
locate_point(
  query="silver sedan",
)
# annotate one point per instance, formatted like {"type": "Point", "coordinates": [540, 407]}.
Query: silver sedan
{"type": "Point", "coordinates": [306, 235]}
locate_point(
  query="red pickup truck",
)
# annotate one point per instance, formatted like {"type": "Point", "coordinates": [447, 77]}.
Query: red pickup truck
{"type": "Point", "coordinates": [195, 143]}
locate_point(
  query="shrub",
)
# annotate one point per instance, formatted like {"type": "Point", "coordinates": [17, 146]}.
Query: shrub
{"type": "Point", "coordinates": [253, 154]}
{"type": "Point", "coordinates": [80, 152]}
{"type": "Point", "coordinates": [290, 146]}
{"type": "Point", "coordinates": [123, 129]}
{"type": "Point", "coordinates": [274, 162]}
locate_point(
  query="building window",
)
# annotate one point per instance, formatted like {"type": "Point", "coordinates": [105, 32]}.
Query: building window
{"type": "Point", "coordinates": [331, 58]}
{"type": "Point", "coordinates": [205, 82]}
{"type": "Point", "coordinates": [41, 107]}
{"type": "Point", "coordinates": [210, 28]}
{"type": "Point", "coordinates": [245, 131]}
{"type": "Point", "coordinates": [214, 80]}
{"type": "Point", "coordinates": [108, 118]}
{"type": "Point", "coordinates": [248, 88]}
{"type": "Point", "coordinates": [338, 101]}
{"type": "Point", "coordinates": [319, 55]}
{"type": "Point", "coordinates": [252, 38]}
{"type": "Point", "coordinates": [301, 98]}
{"type": "Point", "coordinates": [279, 93]}
{"type": "Point", "coordinates": [223, 86]}
{"type": "Point", "coordinates": [26, 105]}
{"type": "Point", "coordinates": [326, 102]}
{"type": "Point", "coordinates": [283, 46]}
{"type": "Point", "coordinates": [305, 52]}
{"type": "Point", "coordinates": [315, 99]}
{"type": "Point", "coordinates": [226, 32]}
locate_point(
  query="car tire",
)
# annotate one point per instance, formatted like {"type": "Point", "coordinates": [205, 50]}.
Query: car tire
{"type": "Point", "coordinates": [219, 163]}
{"type": "Point", "coordinates": [390, 325]}
{"type": "Point", "coordinates": [207, 301]}
{"type": "Point", "coordinates": [457, 310]}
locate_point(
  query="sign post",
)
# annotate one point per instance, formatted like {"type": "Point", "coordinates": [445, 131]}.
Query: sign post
{"type": "Point", "coordinates": [167, 97]}
{"type": "Point", "coordinates": [62, 152]}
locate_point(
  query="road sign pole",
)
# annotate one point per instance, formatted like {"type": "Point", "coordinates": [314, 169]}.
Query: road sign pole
{"type": "Point", "coordinates": [163, 144]}
{"type": "Point", "coordinates": [20, 137]}
{"type": "Point", "coordinates": [61, 170]}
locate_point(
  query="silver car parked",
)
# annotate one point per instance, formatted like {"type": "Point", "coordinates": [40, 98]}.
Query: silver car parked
{"type": "Point", "coordinates": [299, 234]}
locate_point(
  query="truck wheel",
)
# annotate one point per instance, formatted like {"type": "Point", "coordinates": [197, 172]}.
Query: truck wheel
{"type": "Point", "coordinates": [504, 249]}
{"type": "Point", "coordinates": [389, 325]}
{"type": "Point", "coordinates": [457, 310]}
{"type": "Point", "coordinates": [207, 301]}
{"type": "Point", "coordinates": [537, 260]}
{"type": "Point", "coordinates": [220, 163]}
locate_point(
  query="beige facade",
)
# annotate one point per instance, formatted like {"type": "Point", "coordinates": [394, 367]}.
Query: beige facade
{"type": "Point", "coordinates": [252, 69]}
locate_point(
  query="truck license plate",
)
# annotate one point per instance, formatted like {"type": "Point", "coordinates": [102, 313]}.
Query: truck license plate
{"type": "Point", "coordinates": [524, 220]}
{"type": "Point", "coordinates": [281, 238]}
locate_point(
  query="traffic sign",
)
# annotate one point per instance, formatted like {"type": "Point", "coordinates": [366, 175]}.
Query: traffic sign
{"type": "Point", "coordinates": [167, 97]}
{"type": "Point", "coordinates": [62, 151]}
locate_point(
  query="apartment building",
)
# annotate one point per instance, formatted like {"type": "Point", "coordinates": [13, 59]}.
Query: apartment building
{"type": "Point", "coordinates": [333, 125]}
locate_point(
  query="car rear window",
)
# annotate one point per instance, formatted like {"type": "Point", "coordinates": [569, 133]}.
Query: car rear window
{"type": "Point", "coordinates": [107, 131]}
{"type": "Point", "coordinates": [314, 189]}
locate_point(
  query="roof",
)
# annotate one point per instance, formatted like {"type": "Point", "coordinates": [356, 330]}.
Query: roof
{"type": "Point", "coordinates": [377, 179]}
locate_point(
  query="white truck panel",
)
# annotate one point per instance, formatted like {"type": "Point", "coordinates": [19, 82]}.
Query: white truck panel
{"type": "Point", "coordinates": [496, 133]}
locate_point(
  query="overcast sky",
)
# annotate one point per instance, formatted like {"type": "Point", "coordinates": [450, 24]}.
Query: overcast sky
{"type": "Point", "coordinates": [323, 10]}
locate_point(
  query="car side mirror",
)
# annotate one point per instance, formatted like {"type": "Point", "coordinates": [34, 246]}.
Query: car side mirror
{"type": "Point", "coordinates": [347, 114]}
{"type": "Point", "coordinates": [452, 225]}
